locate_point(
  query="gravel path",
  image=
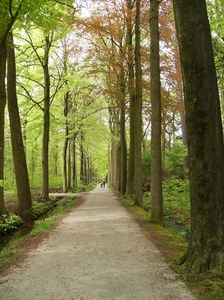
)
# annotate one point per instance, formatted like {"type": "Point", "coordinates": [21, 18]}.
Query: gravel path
{"type": "Point", "coordinates": [98, 252]}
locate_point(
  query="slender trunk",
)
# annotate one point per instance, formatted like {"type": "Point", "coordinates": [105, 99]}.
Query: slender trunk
{"type": "Point", "coordinates": [6, 22]}
{"type": "Point", "coordinates": [69, 166]}
{"type": "Point", "coordinates": [82, 158]}
{"type": "Point", "coordinates": [45, 145]}
{"type": "Point", "coordinates": [20, 165]}
{"type": "Point", "coordinates": [74, 175]}
{"type": "Point", "coordinates": [138, 109]}
{"type": "Point", "coordinates": [65, 150]}
{"type": "Point", "coordinates": [123, 150]}
{"type": "Point", "coordinates": [156, 160]}
{"type": "Point", "coordinates": [131, 91]}
{"type": "Point", "coordinates": [2, 123]}
{"type": "Point", "coordinates": [66, 142]}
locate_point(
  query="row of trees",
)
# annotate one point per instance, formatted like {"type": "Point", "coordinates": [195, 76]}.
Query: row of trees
{"type": "Point", "coordinates": [95, 83]}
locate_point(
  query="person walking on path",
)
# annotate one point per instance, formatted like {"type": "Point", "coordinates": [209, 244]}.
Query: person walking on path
{"type": "Point", "coordinates": [97, 252]}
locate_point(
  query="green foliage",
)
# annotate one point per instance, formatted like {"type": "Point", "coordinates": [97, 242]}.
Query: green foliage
{"type": "Point", "coordinates": [176, 194]}
{"type": "Point", "coordinates": [9, 223]}
{"type": "Point", "coordinates": [11, 194]}
{"type": "Point", "coordinates": [176, 203]}
{"type": "Point", "coordinates": [174, 159]}
{"type": "Point", "coordinates": [39, 208]}
{"type": "Point", "coordinates": [146, 163]}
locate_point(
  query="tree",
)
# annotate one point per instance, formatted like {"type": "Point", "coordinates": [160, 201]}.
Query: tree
{"type": "Point", "coordinates": [156, 160]}
{"type": "Point", "coordinates": [8, 16]}
{"type": "Point", "coordinates": [131, 91]}
{"type": "Point", "coordinates": [205, 138]}
{"type": "Point", "coordinates": [3, 36]}
{"type": "Point", "coordinates": [138, 112]}
{"type": "Point", "coordinates": [20, 165]}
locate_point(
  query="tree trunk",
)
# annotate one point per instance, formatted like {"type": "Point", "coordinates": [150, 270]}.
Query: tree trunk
{"type": "Point", "coordinates": [2, 119]}
{"type": "Point", "coordinates": [123, 150]}
{"type": "Point", "coordinates": [45, 146]}
{"type": "Point", "coordinates": [131, 91]}
{"type": "Point", "coordinates": [7, 20]}
{"type": "Point", "coordinates": [69, 166]}
{"type": "Point", "coordinates": [184, 139]}
{"type": "Point", "coordinates": [205, 138]}
{"type": "Point", "coordinates": [82, 158]}
{"type": "Point", "coordinates": [21, 172]}
{"type": "Point", "coordinates": [66, 142]}
{"type": "Point", "coordinates": [73, 163]}
{"type": "Point", "coordinates": [156, 160]}
{"type": "Point", "coordinates": [138, 200]}
{"type": "Point", "coordinates": [114, 129]}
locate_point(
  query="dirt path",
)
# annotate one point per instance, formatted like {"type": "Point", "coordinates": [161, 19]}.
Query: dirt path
{"type": "Point", "coordinates": [98, 252]}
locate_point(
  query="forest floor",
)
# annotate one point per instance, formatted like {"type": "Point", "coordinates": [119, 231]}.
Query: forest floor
{"type": "Point", "coordinates": [97, 251]}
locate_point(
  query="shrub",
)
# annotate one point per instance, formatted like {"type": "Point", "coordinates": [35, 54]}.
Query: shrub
{"type": "Point", "coordinates": [39, 208]}
{"type": "Point", "coordinates": [10, 223]}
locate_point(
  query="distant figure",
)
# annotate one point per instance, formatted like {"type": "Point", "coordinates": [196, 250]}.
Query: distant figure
{"type": "Point", "coordinates": [101, 184]}
{"type": "Point", "coordinates": [104, 183]}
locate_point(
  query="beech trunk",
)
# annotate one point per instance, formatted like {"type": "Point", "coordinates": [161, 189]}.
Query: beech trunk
{"type": "Point", "coordinates": [204, 138]}
{"type": "Point", "coordinates": [19, 158]}
{"type": "Point", "coordinates": [156, 158]}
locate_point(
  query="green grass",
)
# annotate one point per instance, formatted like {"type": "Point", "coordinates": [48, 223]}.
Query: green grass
{"type": "Point", "coordinates": [41, 226]}
{"type": "Point", "coordinates": [7, 255]}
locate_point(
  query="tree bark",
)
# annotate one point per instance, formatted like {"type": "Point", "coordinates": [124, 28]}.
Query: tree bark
{"type": "Point", "coordinates": [114, 129]}
{"type": "Point", "coordinates": [123, 152]}
{"type": "Point", "coordinates": [2, 120]}
{"type": "Point", "coordinates": [66, 143]}
{"type": "Point", "coordinates": [138, 198]}
{"type": "Point", "coordinates": [131, 91]}
{"type": "Point", "coordinates": [205, 138]}
{"type": "Point", "coordinates": [73, 162]}
{"type": "Point", "coordinates": [156, 159]}
{"type": "Point", "coordinates": [45, 146]}
{"type": "Point", "coordinates": [21, 171]}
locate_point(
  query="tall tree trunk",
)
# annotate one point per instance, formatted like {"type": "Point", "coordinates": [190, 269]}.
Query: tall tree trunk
{"type": "Point", "coordinates": [73, 163]}
{"type": "Point", "coordinates": [65, 152]}
{"type": "Point", "coordinates": [69, 165]}
{"type": "Point", "coordinates": [131, 91]}
{"type": "Point", "coordinates": [114, 129]}
{"type": "Point", "coordinates": [205, 138]}
{"type": "Point", "coordinates": [45, 145]}
{"type": "Point", "coordinates": [2, 120]}
{"type": "Point", "coordinates": [123, 150]}
{"type": "Point", "coordinates": [7, 19]}
{"type": "Point", "coordinates": [184, 139]}
{"type": "Point", "coordinates": [138, 200]}
{"type": "Point", "coordinates": [66, 143]}
{"type": "Point", "coordinates": [156, 159]}
{"type": "Point", "coordinates": [82, 158]}
{"type": "Point", "coordinates": [21, 172]}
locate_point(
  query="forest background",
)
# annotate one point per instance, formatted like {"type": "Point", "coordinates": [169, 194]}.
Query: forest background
{"type": "Point", "coordinates": [74, 79]}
